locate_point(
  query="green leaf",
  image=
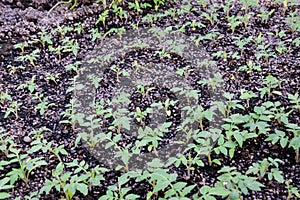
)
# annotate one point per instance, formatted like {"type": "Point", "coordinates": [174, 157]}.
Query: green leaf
{"type": "Point", "coordinates": [277, 92]}
{"type": "Point", "coordinates": [209, 198]}
{"type": "Point", "coordinates": [295, 143]}
{"type": "Point", "coordinates": [63, 152]}
{"type": "Point", "coordinates": [3, 182]}
{"type": "Point", "coordinates": [254, 185]}
{"type": "Point", "coordinates": [226, 169]}
{"type": "Point", "coordinates": [230, 144]}
{"type": "Point", "coordinates": [216, 161]}
{"type": "Point", "coordinates": [116, 138]}
{"type": "Point", "coordinates": [149, 194]}
{"type": "Point", "coordinates": [219, 191]}
{"type": "Point", "coordinates": [252, 169]}
{"type": "Point", "coordinates": [188, 189]}
{"type": "Point", "coordinates": [205, 189]}
{"type": "Point", "coordinates": [108, 145]}
{"type": "Point", "coordinates": [155, 163]}
{"type": "Point", "coordinates": [239, 138]}
{"type": "Point", "coordinates": [284, 141]}
{"type": "Point", "coordinates": [35, 149]}
{"type": "Point", "coordinates": [223, 150]}
{"type": "Point", "coordinates": [179, 185]}
{"type": "Point", "coordinates": [60, 167]}
{"type": "Point", "coordinates": [170, 193]}
{"type": "Point", "coordinates": [47, 187]}
{"type": "Point", "coordinates": [126, 124]}
{"type": "Point", "coordinates": [168, 112]}
{"type": "Point", "coordinates": [231, 153]}
{"type": "Point", "coordinates": [183, 159]}
{"type": "Point", "coordinates": [4, 195]}
{"type": "Point", "coordinates": [278, 176]}
{"type": "Point", "coordinates": [161, 185]}
{"type": "Point", "coordinates": [122, 180]}
{"type": "Point", "coordinates": [14, 175]}
{"type": "Point", "coordinates": [200, 163]}
{"type": "Point", "coordinates": [171, 160]}
{"type": "Point", "coordinates": [234, 195]}
{"type": "Point", "coordinates": [132, 196]}
{"type": "Point", "coordinates": [82, 188]}
{"type": "Point", "coordinates": [70, 189]}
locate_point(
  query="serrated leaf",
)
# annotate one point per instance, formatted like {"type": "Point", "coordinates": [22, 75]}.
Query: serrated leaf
{"type": "Point", "coordinates": [219, 191]}
{"type": "Point", "coordinates": [171, 160]}
{"type": "Point", "coordinates": [284, 141]}
{"type": "Point", "coordinates": [223, 150]}
{"type": "Point", "coordinates": [161, 185]}
{"type": "Point", "coordinates": [47, 187]}
{"type": "Point", "coordinates": [188, 189]}
{"type": "Point", "coordinates": [82, 188]}
{"type": "Point", "coordinates": [35, 149]}
{"type": "Point", "coordinates": [295, 143]}
{"type": "Point", "coordinates": [278, 176]}
{"type": "Point", "coordinates": [126, 125]}
{"type": "Point", "coordinates": [254, 185]}
{"type": "Point", "coordinates": [179, 185]}
{"type": "Point", "coordinates": [205, 189]}
{"type": "Point", "coordinates": [108, 145]}
{"type": "Point", "coordinates": [239, 138]}
{"type": "Point", "coordinates": [122, 180]}
{"type": "Point", "coordinates": [3, 182]}
{"type": "Point", "coordinates": [170, 193]}
{"type": "Point", "coordinates": [70, 189]}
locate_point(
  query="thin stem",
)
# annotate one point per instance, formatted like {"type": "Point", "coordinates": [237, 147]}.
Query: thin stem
{"type": "Point", "coordinates": [62, 2]}
{"type": "Point", "coordinates": [74, 5]}
{"type": "Point", "coordinates": [201, 124]}
{"type": "Point", "coordinates": [297, 155]}
{"type": "Point", "coordinates": [285, 5]}
{"type": "Point", "coordinates": [155, 152]}
{"type": "Point", "coordinates": [289, 196]}
{"type": "Point", "coordinates": [52, 151]}
{"type": "Point", "coordinates": [209, 159]}
{"type": "Point", "coordinates": [58, 157]}
{"type": "Point", "coordinates": [189, 171]}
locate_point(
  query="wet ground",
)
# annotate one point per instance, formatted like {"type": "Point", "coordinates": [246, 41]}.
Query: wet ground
{"type": "Point", "coordinates": [22, 21]}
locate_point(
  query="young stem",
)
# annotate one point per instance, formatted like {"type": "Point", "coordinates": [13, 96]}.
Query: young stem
{"type": "Point", "coordinates": [52, 151]}
{"type": "Point", "coordinates": [62, 185]}
{"type": "Point", "coordinates": [155, 152]}
{"type": "Point", "coordinates": [126, 167]}
{"type": "Point", "coordinates": [278, 120]}
{"type": "Point", "coordinates": [189, 171]}
{"type": "Point", "coordinates": [209, 159]}
{"type": "Point", "coordinates": [289, 196]}
{"type": "Point", "coordinates": [285, 5]}
{"type": "Point", "coordinates": [119, 129]}
{"type": "Point", "coordinates": [62, 2]}
{"type": "Point", "coordinates": [201, 124]}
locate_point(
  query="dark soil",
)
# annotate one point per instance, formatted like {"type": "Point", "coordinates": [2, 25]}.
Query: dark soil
{"type": "Point", "coordinates": [21, 21]}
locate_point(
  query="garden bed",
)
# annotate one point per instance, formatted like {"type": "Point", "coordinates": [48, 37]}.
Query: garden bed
{"type": "Point", "coordinates": [247, 111]}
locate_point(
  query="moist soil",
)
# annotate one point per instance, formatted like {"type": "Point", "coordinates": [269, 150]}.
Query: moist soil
{"type": "Point", "coordinates": [22, 20]}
